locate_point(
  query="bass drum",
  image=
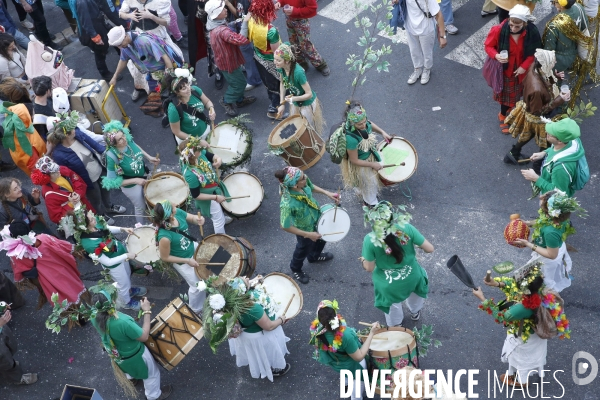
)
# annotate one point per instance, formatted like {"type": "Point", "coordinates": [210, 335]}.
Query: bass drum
{"type": "Point", "coordinates": [298, 144]}
{"type": "Point", "coordinates": [241, 184]}
{"type": "Point", "coordinates": [233, 143]}
{"type": "Point", "coordinates": [397, 151]}
{"type": "Point", "coordinates": [225, 256]}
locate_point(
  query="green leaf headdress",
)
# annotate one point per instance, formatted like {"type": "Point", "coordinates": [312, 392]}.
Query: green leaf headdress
{"type": "Point", "coordinates": [385, 219]}
{"type": "Point", "coordinates": [67, 121]}
{"type": "Point", "coordinates": [111, 129]}
{"type": "Point", "coordinates": [559, 203]}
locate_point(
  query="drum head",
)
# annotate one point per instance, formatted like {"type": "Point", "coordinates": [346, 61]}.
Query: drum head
{"type": "Point", "coordinates": [396, 340]}
{"type": "Point", "coordinates": [326, 224]}
{"type": "Point", "coordinates": [173, 188]}
{"type": "Point", "coordinates": [398, 151]}
{"type": "Point", "coordinates": [219, 248]}
{"type": "Point", "coordinates": [243, 184]}
{"type": "Point", "coordinates": [287, 129]}
{"type": "Point", "coordinates": [280, 288]}
{"type": "Point", "coordinates": [228, 135]}
{"type": "Point", "coordinates": [145, 246]}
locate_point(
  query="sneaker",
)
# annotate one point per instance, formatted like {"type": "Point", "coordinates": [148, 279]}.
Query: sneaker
{"type": "Point", "coordinates": [416, 317]}
{"type": "Point", "coordinates": [228, 220]}
{"type": "Point", "coordinates": [273, 115]}
{"type": "Point", "coordinates": [451, 29]}
{"type": "Point", "coordinates": [6, 166]}
{"type": "Point", "coordinates": [301, 276]}
{"type": "Point", "coordinates": [108, 219]}
{"type": "Point", "coordinates": [132, 305]}
{"type": "Point", "coordinates": [28, 379]}
{"type": "Point", "coordinates": [135, 95]}
{"type": "Point", "coordinates": [249, 87]}
{"type": "Point", "coordinates": [219, 81]}
{"type": "Point", "coordinates": [425, 76]}
{"type": "Point", "coordinates": [27, 25]}
{"type": "Point", "coordinates": [246, 101]}
{"type": "Point", "coordinates": [229, 108]}
{"type": "Point", "coordinates": [165, 392]}
{"type": "Point", "coordinates": [322, 257]}
{"type": "Point", "coordinates": [281, 371]}
{"type": "Point", "coordinates": [138, 291]}
{"type": "Point", "coordinates": [488, 13]}
{"type": "Point", "coordinates": [117, 209]}
{"type": "Point", "coordinates": [325, 71]}
{"type": "Point", "coordinates": [414, 76]}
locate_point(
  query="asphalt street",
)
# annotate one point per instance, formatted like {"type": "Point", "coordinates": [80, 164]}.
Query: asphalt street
{"type": "Point", "coordinates": [460, 197]}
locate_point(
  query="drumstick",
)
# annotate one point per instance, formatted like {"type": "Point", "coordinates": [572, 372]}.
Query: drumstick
{"type": "Point", "coordinates": [524, 160]}
{"type": "Point", "coordinates": [134, 234]}
{"type": "Point", "coordinates": [201, 227]}
{"type": "Point", "coordinates": [336, 204]}
{"type": "Point", "coordinates": [387, 142]}
{"type": "Point", "coordinates": [365, 323]}
{"type": "Point", "coordinates": [136, 254]}
{"type": "Point", "coordinates": [155, 165]}
{"type": "Point", "coordinates": [209, 263]}
{"type": "Point", "coordinates": [394, 165]}
{"type": "Point", "coordinates": [289, 303]}
{"type": "Point", "coordinates": [219, 147]}
{"type": "Point", "coordinates": [130, 215]}
{"type": "Point", "coordinates": [156, 179]}
{"type": "Point", "coordinates": [236, 197]}
{"type": "Point", "coordinates": [331, 233]}
{"type": "Point", "coordinates": [374, 337]}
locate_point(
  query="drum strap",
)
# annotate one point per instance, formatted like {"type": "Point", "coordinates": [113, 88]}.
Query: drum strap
{"type": "Point", "coordinates": [177, 230]}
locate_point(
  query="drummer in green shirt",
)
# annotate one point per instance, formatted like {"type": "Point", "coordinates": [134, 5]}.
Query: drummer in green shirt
{"type": "Point", "coordinates": [125, 168]}
{"type": "Point", "coordinates": [299, 215]}
{"type": "Point", "coordinates": [389, 253]}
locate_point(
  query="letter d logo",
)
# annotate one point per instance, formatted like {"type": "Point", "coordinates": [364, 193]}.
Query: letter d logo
{"type": "Point", "coordinates": [583, 367]}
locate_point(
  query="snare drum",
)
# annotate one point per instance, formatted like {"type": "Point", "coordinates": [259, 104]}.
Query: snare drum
{"type": "Point", "coordinates": [173, 334]}
{"type": "Point", "coordinates": [298, 144]}
{"type": "Point", "coordinates": [230, 257]}
{"type": "Point", "coordinates": [243, 184]}
{"type": "Point", "coordinates": [145, 246]}
{"type": "Point", "coordinates": [173, 188]}
{"type": "Point", "coordinates": [237, 140]}
{"type": "Point", "coordinates": [280, 288]}
{"type": "Point", "coordinates": [398, 151]}
{"type": "Point", "coordinates": [397, 350]}
{"type": "Point", "coordinates": [330, 230]}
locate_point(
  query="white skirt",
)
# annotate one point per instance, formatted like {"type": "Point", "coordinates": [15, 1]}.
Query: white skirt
{"type": "Point", "coordinates": [556, 272]}
{"type": "Point", "coordinates": [522, 357]}
{"type": "Point", "coordinates": [261, 351]}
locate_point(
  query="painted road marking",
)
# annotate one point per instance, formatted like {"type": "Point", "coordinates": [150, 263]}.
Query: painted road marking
{"type": "Point", "coordinates": [342, 11]}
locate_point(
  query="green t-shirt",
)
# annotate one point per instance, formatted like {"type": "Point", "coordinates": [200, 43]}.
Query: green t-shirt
{"type": "Point", "coordinates": [295, 87]}
{"type": "Point", "coordinates": [354, 138]}
{"type": "Point", "coordinates": [180, 245]}
{"type": "Point", "coordinates": [191, 124]}
{"type": "Point", "coordinates": [393, 283]}
{"type": "Point", "coordinates": [131, 163]}
{"type": "Point", "coordinates": [550, 236]}
{"type": "Point", "coordinates": [248, 320]}
{"type": "Point", "coordinates": [272, 38]}
{"type": "Point", "coordinates": [91, 244]}
{"type": "Point", "coordinates": [124, 332]}
{"type": "Point", "coordinates": [341, 360]}
{"type": "Point", "coordinates": [298, 213]}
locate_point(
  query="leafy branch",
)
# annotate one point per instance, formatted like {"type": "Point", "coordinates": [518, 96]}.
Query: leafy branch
{"type": "Point", "coordinates": [371, 56]}
{"type": "Point", "coordinates": [423, 337]}
{"type": "Point", "coordinates": [576, 113]}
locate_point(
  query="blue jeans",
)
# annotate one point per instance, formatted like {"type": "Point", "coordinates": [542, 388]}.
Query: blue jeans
{"type": "Point", "coordinates": [252, 75]}
{"type": "Point", "coordinates": [305, 248]}
{"type": "Point", "coordinates": [21, 39]}
{"type": "Point", "coordinates": [446, 9]}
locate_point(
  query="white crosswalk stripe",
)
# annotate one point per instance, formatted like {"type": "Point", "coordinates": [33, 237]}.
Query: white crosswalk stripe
{"type": "Point", "coordinates": [342, 11]}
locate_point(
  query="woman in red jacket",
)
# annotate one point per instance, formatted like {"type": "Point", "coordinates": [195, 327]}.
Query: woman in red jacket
{"type": "Point", "coordinates": [520, 37]}
{"type": "Point", "coordinates": [62, 189]}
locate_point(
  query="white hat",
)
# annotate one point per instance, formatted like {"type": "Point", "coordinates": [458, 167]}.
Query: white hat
{"type": "Point", "coordinates": [213, 8]}
{"type": "Point", "coordinates": [60, 100]}
{"type": "Point", "coordinates": [116, 35]}
{"type": "Point", "coordinates": [521, 12]}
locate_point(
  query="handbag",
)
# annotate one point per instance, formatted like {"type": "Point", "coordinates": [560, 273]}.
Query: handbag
{"type": "Point", "coordinates": [493, 74]}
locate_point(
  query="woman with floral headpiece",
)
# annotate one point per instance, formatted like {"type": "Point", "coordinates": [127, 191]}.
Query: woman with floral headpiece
{"type": "Point", "coordinates": [177, 246]}
{"type": "Point", "coordinates": [299, 215]}
{"type": "Point", "coordinates": [62, 189]}
{"type": "Point", "coordinates": [526, 298]}
{"type": "Point", "coordinates": [97, 239]}
{"type": "Point", "coordinates": [337, 345]}
{"type": "Point", "coordinates": [550, 232]}
{"type": "Point", "coordinates": [198, 167]}
{"type": "Point", "coordinates": [125, 166]}
{"type": "Point", "coordinates": [295, 90]}
{"type": "Point", "coordinates": [46, 261]}
{"type": "Point", "coordinates": [185, 114]}
{"type": "Point", "coordinates": [389, 253]}
{"type": "Point", "coordinates": [360, 166]}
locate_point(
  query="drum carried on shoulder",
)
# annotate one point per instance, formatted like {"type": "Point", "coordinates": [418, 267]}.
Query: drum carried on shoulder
{"type": "Point", "coordinates": [173, 334]}
{"type": "Point", "coordinates": [166, 186]}
{"type": "Point", "coordinates": [233, 143]}
{"type": "Point", "coordinates": [247, 195]}
{"type": "Point", "coordinates": [283, 289]}
{"type": "Point", "coordinates": [398, 151]}
{"type": "Point", "coordinates": [334, 223]}
{"type": "Point", "coordinates": [225, 256]}
{"type": "Point", "coordinates": [295, 142]}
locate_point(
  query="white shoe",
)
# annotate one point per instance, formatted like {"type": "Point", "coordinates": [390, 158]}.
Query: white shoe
{"type": "Point", "coordinates": [228, 220]}
{"type": "Point", "coordinates": [451, 29]}
{"type": "Point", "coordinates": [414, 76]}
{"type": "Point", "coordinates": [27, 25]}
{"type": "Point", "coordinates": [425, 76]}
{"type": "Point", "coordinates": [249, 87]}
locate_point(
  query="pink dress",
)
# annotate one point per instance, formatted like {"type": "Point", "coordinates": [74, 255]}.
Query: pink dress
{"type": "Point", "coordinates": [57, 269]}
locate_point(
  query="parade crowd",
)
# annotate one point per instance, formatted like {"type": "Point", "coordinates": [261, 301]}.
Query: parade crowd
{"type": "Point", "coordinates": [535, 76]}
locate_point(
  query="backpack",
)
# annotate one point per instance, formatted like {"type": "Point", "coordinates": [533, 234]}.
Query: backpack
{"type": "Point", "coordinates": [336, 144]}
{"type": "Point", "coordinates": [583, 174]}
{"type": "Point", "coordinates": [180, 108]}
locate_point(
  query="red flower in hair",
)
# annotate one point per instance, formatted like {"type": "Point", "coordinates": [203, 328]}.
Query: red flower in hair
{"type": "Point", "coordinates": [532, 302]}
{"type": "Point", "coordinates": [39, 178]}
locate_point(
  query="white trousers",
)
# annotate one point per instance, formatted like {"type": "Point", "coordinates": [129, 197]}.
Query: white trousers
{"type": "Point", "coordinates": [217, 216]}
{"type": "Point", "coordinates": [371, 187]}
{"type": "Point", "coordinates": [353, 394]}
{"type": "Point", "coordinates": [121, 274]}
{"type": "Point", "coordinates": [414, 303]}
{"type": "Point", "coordinates": [203, 137]}
{"type": "Point", "coordinates": [135, 194]}
{"type": "Point", "coordinates": [152, 384]}
{"type": "Point", "coordinates": [195, 297]}
{"type": "Point", "coordinates": [421, 49]}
